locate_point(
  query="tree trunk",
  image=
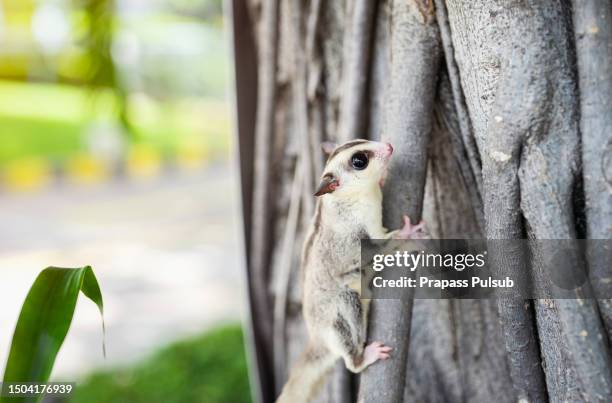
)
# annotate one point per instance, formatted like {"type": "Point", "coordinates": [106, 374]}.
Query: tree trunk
{"type": "Point", "coordinates": [500, 115]}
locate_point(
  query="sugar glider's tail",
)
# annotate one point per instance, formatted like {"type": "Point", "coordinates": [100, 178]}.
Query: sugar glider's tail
{"type": "Point", "coordinates": [307, 375]}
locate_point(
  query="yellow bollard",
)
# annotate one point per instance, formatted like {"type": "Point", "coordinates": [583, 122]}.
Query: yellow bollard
{"type": "Point", "coordinates": [27, 174]}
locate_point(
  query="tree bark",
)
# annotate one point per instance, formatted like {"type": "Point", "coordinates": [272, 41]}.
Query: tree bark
{"type": "Point", "coordinates": [499, 113]}
{"type": "Point", "coordinates": [415, 49]}
{"type": "Point", "coordinates": [356, 65]}
{"type": "Point", "coordinates": [262, 190]}
{"type": "Point", "coordinates": [593, 32]}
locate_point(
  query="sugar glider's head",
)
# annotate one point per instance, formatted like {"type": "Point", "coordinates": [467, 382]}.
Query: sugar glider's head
{"type": "Point", "coordinates": [353, 167]}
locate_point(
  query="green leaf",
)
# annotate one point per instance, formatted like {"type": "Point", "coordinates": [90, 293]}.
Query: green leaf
{"type": "Point", "coordinates": [44, 322]}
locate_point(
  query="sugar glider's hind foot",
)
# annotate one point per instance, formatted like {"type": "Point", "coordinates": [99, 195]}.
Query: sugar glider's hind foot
{"type": "Point", "coordinates": [376, 351]}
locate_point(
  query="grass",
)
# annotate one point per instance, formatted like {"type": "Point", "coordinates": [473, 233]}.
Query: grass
{"type": "Point", "coordinates": [207, 369]}
{"type": "Point", "coordinates": [51, 120]}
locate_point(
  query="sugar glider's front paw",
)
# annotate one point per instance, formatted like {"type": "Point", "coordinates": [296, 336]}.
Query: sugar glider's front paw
{"type": "Point", "coordinates": [410, 231]}
{"type": "Point", "coordinates": [376, 351]}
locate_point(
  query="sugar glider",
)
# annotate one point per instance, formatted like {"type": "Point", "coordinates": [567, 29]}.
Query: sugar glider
{"type": "Point", "coordinates": [349, 208]}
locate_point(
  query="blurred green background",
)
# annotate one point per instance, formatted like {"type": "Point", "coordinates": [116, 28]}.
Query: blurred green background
{"type": "Point", "coordinates": [97, 94]}
{"type": "Point", "coordinates": [98, 85]}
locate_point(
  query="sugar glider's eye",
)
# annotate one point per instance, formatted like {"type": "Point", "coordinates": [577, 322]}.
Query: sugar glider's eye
{"type": "Point", "coordinates": [359, 161]}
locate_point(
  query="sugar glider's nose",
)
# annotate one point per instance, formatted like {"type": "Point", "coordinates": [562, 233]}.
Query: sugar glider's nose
{"type": "Point", "coordinates": [389, 148]}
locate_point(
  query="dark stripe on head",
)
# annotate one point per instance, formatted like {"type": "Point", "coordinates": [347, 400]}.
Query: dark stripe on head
{"type": "Point", "coordinates": [345, 146]}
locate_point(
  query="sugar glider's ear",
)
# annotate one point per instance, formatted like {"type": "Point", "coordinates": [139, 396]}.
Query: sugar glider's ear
{"type": "Point", "coordinates": [328, 184]}
{"type": "Point", "coordinates": [328, 147]}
